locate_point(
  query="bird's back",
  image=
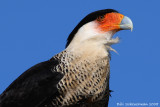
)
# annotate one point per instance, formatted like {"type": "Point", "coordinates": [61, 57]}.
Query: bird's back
{"type": "Point", "coordinates": [33, 87]}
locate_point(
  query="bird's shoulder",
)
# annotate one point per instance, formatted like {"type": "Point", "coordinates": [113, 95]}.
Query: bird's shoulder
{"type": "Point", "coordinates": [33, 86]}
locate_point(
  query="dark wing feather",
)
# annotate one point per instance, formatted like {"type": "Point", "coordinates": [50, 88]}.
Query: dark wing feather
{"type": "Point", "coordinates": [33, 87]}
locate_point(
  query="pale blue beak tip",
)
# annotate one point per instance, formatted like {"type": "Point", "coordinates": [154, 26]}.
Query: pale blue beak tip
{"type": "Point", "coordinates": [126, 23]}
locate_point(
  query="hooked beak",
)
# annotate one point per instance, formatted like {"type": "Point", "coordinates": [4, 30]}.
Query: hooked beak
{"type": "Point", "coordinates": [126, 24]}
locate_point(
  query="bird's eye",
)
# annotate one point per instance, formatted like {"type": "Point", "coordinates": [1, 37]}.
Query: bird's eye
{"type": "Point", "coordinates": [100, 18]}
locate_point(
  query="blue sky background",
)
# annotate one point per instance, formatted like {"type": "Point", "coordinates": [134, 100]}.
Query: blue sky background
{"type": "Point", "coordinates": [32, 31]}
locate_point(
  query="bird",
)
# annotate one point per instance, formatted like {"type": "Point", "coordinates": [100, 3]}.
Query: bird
{"type": "Point", "coordinates": [79, 75]}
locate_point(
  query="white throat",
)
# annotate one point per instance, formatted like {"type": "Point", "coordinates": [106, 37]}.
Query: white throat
{"type": "Point", "coordinates": [89, 36]}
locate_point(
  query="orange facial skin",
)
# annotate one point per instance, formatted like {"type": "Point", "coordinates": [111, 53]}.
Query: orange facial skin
{"type": "Point", "coordinates": [110, 21]}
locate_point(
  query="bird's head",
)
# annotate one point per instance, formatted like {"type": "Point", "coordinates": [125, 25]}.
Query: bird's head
{"type": "Point", "coordinates": [99, 27]}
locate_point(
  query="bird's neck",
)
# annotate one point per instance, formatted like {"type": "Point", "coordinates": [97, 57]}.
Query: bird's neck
{"type": "Point", "coordinates": [90, 41]}
{"type": "Point", "coordinates": [88, 49]}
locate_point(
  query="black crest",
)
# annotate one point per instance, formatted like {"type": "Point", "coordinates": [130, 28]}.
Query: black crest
{"type": "Point", "coordinates": [90, 17]}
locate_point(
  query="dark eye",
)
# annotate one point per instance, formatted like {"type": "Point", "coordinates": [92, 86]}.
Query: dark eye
{"type": "Point", "coordinates": [100, 18]}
